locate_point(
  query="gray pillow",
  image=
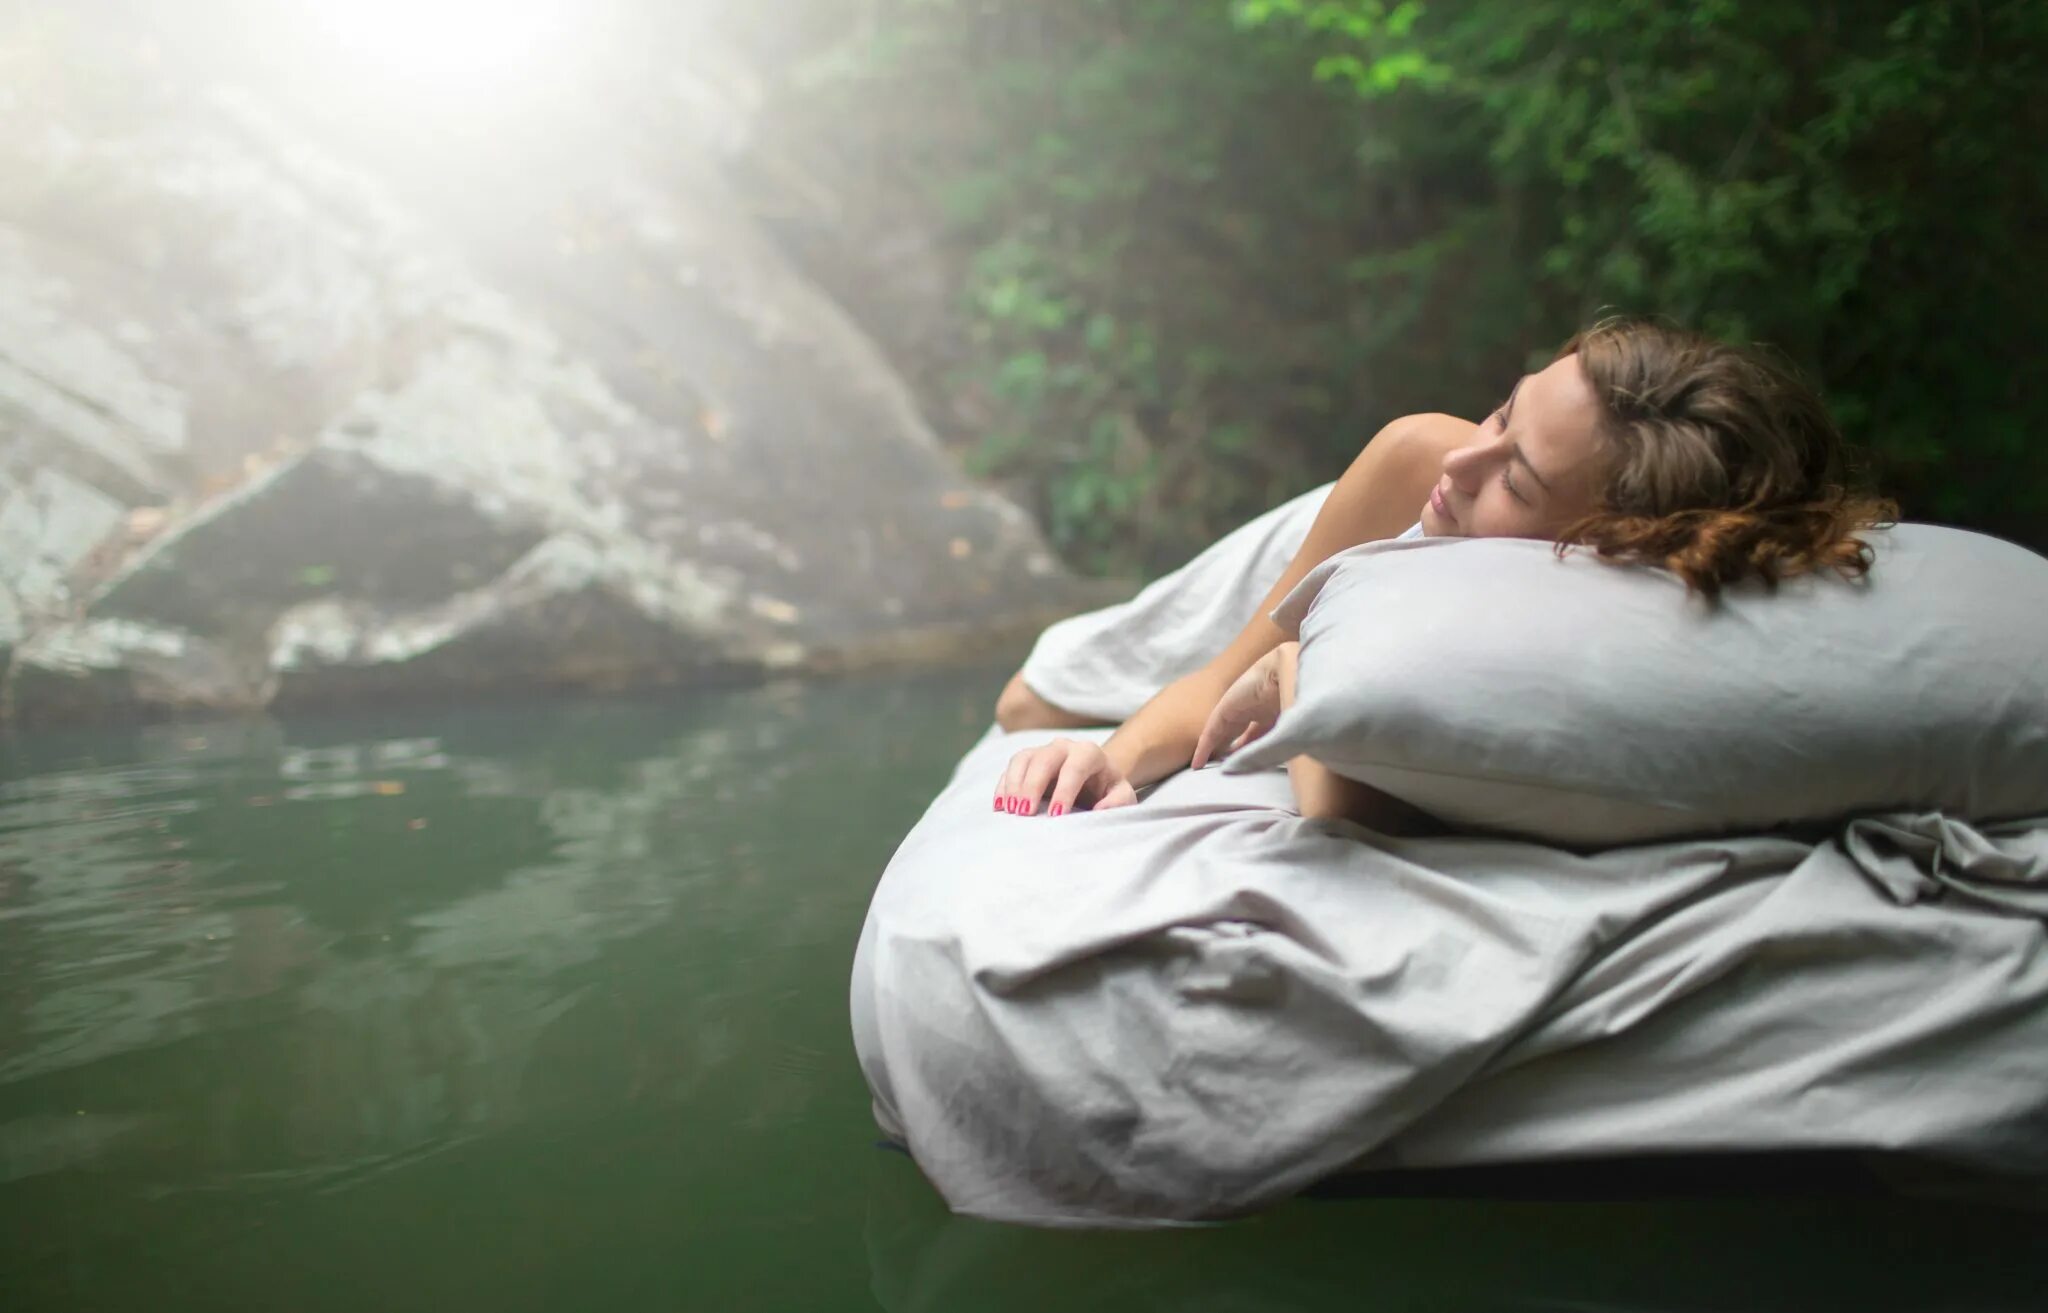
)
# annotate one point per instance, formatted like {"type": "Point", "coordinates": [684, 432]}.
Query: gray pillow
{"type": "Point", "coordinates": [1498, 687]}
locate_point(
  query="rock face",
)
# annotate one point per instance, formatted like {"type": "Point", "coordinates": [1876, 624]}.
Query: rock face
{"type": "Point", "coordinates": [295, 404]}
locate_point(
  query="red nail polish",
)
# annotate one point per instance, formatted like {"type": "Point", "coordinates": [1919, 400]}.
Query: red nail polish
{"type": "Point", "coordinates": [1058, 808]}
{"type": "Point", "coordinates": [999, 803]}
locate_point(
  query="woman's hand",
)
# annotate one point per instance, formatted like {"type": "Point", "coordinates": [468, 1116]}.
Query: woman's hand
{"type": "Point", "coordinates": [1246, 710]}
{"type": "Point", "coordinates": [1079, 773]}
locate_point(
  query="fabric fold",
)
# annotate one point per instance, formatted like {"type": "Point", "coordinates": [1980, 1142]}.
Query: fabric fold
{"type": "Point", "coordinates": [1198, 1005]}
{"type": "Point", "coordinates": [1915, 857]}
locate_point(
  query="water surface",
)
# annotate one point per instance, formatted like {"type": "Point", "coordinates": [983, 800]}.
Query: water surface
{"type": "Point", "coordinates": [543, 1007]}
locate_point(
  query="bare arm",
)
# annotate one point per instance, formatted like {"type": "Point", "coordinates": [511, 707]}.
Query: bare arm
{"type": "Point", "coordinates": [1020, 707]}
{"type": "Point", "coordinates": [1322, 792]}
{"type": "Point", "coordinates": [1380, 496]}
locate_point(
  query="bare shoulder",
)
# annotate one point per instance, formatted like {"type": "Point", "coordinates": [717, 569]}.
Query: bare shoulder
{"type": "Point", "coordinates": [1385, 487]}
{"type": "Point", "coordinates": [1379, 496]}
{"type": "Point", "coordinates": [1423, 439]}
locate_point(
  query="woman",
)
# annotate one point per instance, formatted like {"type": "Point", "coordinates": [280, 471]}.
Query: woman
{"type": "Point", "coordinates": [1645, 443]}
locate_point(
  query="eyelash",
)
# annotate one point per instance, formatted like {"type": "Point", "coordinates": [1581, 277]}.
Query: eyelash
{"type": "Point", "coordinates": [1505, 481]}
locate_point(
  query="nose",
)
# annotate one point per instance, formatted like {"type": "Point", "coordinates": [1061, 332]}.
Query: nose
{"type": "Point", "coordinates": [1466, 466]}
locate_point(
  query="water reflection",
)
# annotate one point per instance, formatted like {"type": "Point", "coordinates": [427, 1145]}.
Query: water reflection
{"type": "Point", "coordinates": [1439, 1255]}
{"type": "Point", "coordinates": [256, 958]}
{"type": "Point", "coordinates": [544, 1007]}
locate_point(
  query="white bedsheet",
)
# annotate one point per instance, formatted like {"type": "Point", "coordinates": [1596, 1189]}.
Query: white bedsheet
{"type": "Point", "coordinates": [1202, 1003]}
{"type": "Point", "coordinates": [1110, 662]}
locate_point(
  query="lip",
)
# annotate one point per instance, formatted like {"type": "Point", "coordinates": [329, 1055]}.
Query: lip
{"type": "Point", "coordinates": [1437, 504]}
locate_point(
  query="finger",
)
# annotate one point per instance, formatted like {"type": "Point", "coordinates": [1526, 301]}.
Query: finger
{"type": "Point", "coordinates": [1031, 774]}
{"type": "Point", "coordinates": [1066, 791]}
{"type": "Point", "coordinates": [1120, 794]}
{"type": "Point", "coordinates": [1215, 732]}
{"type": "Point", "coordinates": [1039, 775]}
{"type": "Point", "coordinates": [1252, 730]}
{"type": "Point", "coordinates": [1012, 782]}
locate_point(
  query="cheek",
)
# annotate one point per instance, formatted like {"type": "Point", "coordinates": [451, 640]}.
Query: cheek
{"type": "Point", "coordinates": [1497, 514]}
{"type": "Point", "coordinates": [1493, 515]}
{"type": "Point", "coordinates": [1569, 510]}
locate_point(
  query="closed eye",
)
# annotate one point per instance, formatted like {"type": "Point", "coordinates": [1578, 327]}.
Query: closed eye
{"type": "Point", "coordinates": [1507, 481]}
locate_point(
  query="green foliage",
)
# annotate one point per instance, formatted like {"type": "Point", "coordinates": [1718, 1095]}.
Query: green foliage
{"type": "Point", "coordinates": [1849, 182]}
{"type": "Point", "coordinates": [1151, 283]}
{"type": "Point", "coordinates": [1207, 248]}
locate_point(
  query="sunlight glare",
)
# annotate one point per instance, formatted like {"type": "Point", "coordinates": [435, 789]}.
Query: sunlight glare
{"type": "Point", "coordinates": [452, 51]}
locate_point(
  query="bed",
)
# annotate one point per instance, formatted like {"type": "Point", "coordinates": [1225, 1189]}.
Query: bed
{"type": "Point", "coordinates": [1196, 1006]}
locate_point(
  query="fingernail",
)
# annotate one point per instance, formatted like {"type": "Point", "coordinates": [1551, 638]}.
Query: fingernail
{"type": "Point", "coordinates": [1013, 806]}
{"type": "Point", "coordinates": [1058, 808]}
{"type": "Point", "coordinates": [999, 802]}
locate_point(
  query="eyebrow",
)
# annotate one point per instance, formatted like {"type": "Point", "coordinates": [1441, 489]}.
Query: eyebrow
{"type": "Point", "coordinates": [1507, 415]}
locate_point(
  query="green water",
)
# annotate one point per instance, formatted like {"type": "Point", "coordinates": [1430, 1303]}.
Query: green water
{"type": "Point", "coordinates": [544, 1008]}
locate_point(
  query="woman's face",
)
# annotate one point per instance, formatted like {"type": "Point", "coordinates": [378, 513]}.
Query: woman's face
{"type": "Point", "coordinates": [1534, 466]}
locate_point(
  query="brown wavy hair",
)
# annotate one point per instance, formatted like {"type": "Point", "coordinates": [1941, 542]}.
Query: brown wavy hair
{"type": "Point", "coordinates": [1726, 466]}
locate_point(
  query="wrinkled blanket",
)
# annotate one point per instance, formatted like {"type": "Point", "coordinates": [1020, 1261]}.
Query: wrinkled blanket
{"type": "Point", "coordinates": [1203, 1003]}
